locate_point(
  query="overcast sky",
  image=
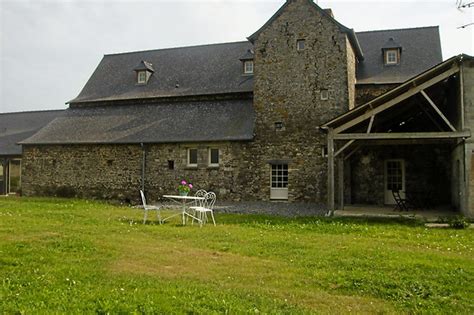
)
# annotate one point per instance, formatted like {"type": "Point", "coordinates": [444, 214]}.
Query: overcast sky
{"type": "Point", "coordinates": [49, 49]}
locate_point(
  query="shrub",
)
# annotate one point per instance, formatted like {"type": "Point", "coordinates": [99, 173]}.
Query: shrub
{"type": "Point", "coordinates": [459, 222]}
{"type": "Point", "coordinates": [65, 192]}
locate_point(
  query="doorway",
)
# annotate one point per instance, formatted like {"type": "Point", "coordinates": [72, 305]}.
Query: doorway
{"type": "Point", "coordinates": [394, 179]}
{"type": "Point", "coordinates": [14, 177]}
{"type": "Point", "coordinates": [279, 182]}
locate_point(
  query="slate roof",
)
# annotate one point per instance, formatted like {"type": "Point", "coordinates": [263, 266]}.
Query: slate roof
{"type": "Point", "coordinates": [227, 120]}
{"type": "Point", "coordinates": [197, 70]}
{"type": "Point", "coordinates": [217, 68]}
{"type": "Point", "coordinates": [15, 127]}
{"type": "Point", "coordinates": [421, 50]}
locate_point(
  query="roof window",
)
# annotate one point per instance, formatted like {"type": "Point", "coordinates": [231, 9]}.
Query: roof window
{"type": "Point", "coordinates": [248, 67]}
{"type": "Point", "coordinates": [144, 71]}
{"type": "Point", "coordinates": [392, 52]}
{"type": "Point", "coordinates": [247, 62]}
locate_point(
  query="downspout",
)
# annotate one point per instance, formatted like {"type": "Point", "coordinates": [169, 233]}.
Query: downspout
{"type": "Point", "coordinates": [143, 166]}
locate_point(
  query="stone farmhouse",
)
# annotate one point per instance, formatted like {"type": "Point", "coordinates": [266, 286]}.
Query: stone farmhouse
{"type": "Point", "coordinates": [305, 110]}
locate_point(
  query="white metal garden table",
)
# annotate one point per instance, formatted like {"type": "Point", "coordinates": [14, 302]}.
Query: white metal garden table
{"type": "Point", "coordinates": [184, 201]}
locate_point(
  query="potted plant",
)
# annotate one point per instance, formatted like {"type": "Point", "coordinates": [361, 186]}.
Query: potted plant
{"type": "Point", "coordinates": [184, 188]}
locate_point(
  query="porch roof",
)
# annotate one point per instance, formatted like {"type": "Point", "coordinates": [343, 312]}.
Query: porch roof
{"type": "Point", "coordinates": [395, 96]}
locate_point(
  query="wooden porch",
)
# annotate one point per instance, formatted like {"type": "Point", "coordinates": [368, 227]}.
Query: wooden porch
{"type": "Point", "coordinates": [424, 113]}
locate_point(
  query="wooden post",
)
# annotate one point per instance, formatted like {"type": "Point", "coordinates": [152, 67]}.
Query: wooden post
{"type": "Point", "coordinates": [330, 172]}
{"type": "Point", "coordinates": [340, 171]}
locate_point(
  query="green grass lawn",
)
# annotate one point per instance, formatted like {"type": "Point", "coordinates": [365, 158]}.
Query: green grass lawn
{"type": "Point", "coordinates": [75, 256]}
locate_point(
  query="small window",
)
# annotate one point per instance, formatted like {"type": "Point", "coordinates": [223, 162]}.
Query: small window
{"type": "Point", "coordinates": [248, 67]}
{"type": "Point", "coordinates": [141, 77]}
{"type": "Point", "coordinates": [171, 164]}
{"type": "Point", "coordinates": [192, 157]}
{"type": "Point", "coordinates": [391, 57]}
{"type": "Point", "coordinates": [279, 176]}
{"type": "Point", "coordinates": [324, 94]}
{"type": "Point", "coordinates": [300, 44]}
{"type": "Point", "coordinates": [213, 157]}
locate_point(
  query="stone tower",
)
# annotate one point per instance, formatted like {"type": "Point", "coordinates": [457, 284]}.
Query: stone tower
{"type": "Point", "coordinates": [304, 75]}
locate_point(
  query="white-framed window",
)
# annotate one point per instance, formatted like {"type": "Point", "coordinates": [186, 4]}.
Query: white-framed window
{"type": "Point", "coordinates": [324, 94]}
{"type": "Point", "coordinates": [279, 182]}
{"type": "Point", "coordinates": [300, 44]}
{"type": "Point", "coordinates": [391, 57]}
{"type": "Point", "coordinates": [141, 79]}
{"type": "Point", "coordinates": [248, 66]}
{"type": "Point", "coordinates": [214, 157]}
{"type": "Point", "coordinates": [192, 157]}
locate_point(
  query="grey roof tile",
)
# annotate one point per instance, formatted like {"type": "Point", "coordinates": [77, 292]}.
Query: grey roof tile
{"type": "Point", "coordinates": [15, 127]}
{"type": "Point", "coordinates": [217, 68]}
{"type": "Point", "coordinates": [144, 65]}
{"type": "Point", "coordinates": [228, 120]}
{"type": "Point", "coordinates": [421, 50]}
{"type": "Point", "coordinates": [198, 70]}
{"type": "Point", "coordinates": [249, 55]}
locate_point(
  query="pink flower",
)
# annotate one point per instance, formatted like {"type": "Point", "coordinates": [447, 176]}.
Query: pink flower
{"type": "Point", "coordinates": [183, 182]}
{"type": "Point", "coordinates": [191, 186]}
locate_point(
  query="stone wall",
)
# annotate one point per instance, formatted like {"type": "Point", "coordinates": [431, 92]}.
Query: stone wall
{"type": "Point", "coordinates": [288, 85]}
{"type": "Point", "coordinates": [351, 74]}
{"type": "Point", "coordinates": [427, 168]}
{"type": "Point", "coordinates": [467, 154]}
{"type": "Point", "coordinates": [115, 171]}
{"type": "Point", "coordinates": [367, 92]}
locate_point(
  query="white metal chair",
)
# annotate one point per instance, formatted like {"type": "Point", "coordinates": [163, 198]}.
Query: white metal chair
{"type": "Point", "coordinates": [146, 208]}
{"type": "Point", "coordinates": [207, 207]}
{"type": "Point", "coordinates": [200, 202]}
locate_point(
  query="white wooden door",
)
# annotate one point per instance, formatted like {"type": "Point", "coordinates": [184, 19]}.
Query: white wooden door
{"type": "Point", "coordinates": [394, 179]}
{"type": "Point", "coordinates": [279, 182]}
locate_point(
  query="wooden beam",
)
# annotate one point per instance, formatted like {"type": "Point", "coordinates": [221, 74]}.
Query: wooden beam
{"type": "Point", "coordinates": [402, 135]}
{"type": "Point", "coordinates": [437, 110]}
{"type": "Point", "coordinates": [405, 142]}
{"type": "Point", "coordinates": [371, 122]}
{"type": "Point", "coordinates": [396, 100]}
{"type": "Point", "coordinates": [330, 173]}
{"type": "Point", "coordinates": [340, 174]}
{"type": "Point", "coordinates": [348, 143]}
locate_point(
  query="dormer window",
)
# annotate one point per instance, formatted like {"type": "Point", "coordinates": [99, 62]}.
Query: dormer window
{"type": "Point", "coordinates": [144, 71]}
{"type": "Point", "coordinates": [391, 57]}
{"type": "Point", "coordinates": [248, 67]}
{"type": "Point", "coordinates": [141, 77]}
{"type": "Point", "coordinates": [392, 52]}
{"type": "Point", "coordinates": [247, 62]}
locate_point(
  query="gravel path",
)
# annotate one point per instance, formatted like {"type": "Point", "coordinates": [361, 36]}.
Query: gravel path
{"type": "Point", "coordinates": [271, 208]}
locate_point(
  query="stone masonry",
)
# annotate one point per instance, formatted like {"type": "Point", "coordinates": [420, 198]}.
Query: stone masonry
{"type": "Point", "coordinates": [115, 171]}
{"type": "Point", "coordinates": [288, 86]}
